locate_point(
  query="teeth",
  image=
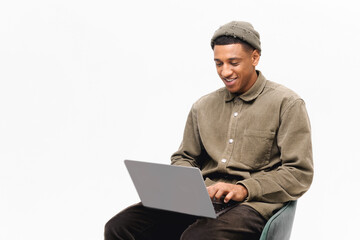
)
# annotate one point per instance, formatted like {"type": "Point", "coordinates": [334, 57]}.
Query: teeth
{"type": "Point", "coordinates": [229, 80]}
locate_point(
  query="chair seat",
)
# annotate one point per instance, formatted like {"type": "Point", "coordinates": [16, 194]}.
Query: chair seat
{"type": "Point", "coordinates": [279, 226]}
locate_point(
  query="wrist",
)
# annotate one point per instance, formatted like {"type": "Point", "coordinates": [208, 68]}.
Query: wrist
{"type": "Point", "coordinates": [244, 191]}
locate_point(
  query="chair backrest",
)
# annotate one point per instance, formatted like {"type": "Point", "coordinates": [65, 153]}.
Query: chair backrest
{"type": "Point", "coordinates": [279, 226]}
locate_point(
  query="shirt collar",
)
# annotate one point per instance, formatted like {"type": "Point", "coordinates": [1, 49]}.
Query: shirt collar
{"type": "Point", "coordinates": [252, 93]}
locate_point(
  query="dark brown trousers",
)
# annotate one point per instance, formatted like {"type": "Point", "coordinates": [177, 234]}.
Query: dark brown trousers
{"type": "Point", "coordinates": [142, 223]}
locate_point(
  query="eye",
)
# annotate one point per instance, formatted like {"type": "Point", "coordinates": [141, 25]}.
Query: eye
{"type": "Point", "coordinates": [235, 63]}
{"type": "Point", "coordinates": [218, 64]}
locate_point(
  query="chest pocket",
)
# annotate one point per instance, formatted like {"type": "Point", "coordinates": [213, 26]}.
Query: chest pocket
{"type": "Point", "coordinates": [256, 148]}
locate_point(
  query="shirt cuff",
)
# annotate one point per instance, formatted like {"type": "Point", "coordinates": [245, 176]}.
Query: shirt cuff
{"type": "Point", "coordinates": [253, 187]}
{"type": "Point", "coordinates": [182, 163]}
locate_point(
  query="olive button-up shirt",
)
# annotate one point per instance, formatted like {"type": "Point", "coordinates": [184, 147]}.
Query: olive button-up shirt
{"type": "Point", "coordinates": [260, 139]}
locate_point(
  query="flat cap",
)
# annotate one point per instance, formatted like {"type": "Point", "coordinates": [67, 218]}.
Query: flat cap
{"type": "Point", "coordinates": [239, 29]}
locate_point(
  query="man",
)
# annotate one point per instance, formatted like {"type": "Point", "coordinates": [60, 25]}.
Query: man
{"type": "Point", "coordinates": [251, 140]}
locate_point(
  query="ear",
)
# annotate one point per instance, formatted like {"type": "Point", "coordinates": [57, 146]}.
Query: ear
{"type": "Point", "coordinates": [255, 57]}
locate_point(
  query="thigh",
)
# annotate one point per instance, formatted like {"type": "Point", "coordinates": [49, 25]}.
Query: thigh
{"type": "Point", "coordinates": [241, 222]}
{"type": "Point", "coordinates": [139, 222]}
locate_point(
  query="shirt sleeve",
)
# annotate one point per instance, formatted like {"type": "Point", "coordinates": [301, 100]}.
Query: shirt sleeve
{"type": "Point", "coordinates": [190, 149]}
{"type": "Point", "coordinates": [293, 178]}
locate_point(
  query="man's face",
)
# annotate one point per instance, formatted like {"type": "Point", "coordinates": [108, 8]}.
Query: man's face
{"type": "Point", "coordinates": [236, 66]}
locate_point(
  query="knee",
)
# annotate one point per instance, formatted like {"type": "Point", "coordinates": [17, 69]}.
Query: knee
{"type": "Point", "coordinates": [110, 230]}
{"type": "Point", "coordinates": [115, 228]}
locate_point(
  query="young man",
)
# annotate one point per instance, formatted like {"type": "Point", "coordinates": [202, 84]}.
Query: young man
{"type": "Point", "coordinates": [251, 140]}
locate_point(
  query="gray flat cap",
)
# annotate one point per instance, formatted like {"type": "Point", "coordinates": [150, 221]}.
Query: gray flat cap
{"type": "Point", "coordinates": [239, 29]}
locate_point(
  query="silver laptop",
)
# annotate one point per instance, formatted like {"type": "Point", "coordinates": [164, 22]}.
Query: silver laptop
{"type": "Point", "coordinates": [174, 188]}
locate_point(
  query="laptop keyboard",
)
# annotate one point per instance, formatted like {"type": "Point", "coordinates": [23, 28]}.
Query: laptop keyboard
{"type": "Point", "coordinates": [220, 205]}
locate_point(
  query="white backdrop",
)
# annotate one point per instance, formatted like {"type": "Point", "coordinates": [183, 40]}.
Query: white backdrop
{"type": "Point", "coordinates": [87, 84]}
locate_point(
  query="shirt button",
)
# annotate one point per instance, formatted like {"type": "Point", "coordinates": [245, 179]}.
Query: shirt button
{"type": "Point", "coordinates": [223, 160]}
{"type": "Point", "coordinates": [231, 140]}
{"type": "Point", "coordinates": [235, 114]}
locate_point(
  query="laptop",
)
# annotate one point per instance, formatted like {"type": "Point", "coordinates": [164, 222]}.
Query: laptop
{"type": "Point", "coordinates": [174, 188]}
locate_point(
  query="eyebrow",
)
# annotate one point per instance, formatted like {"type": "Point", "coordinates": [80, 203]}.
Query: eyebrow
{"type": "Point", "coordinates": [230, 59]}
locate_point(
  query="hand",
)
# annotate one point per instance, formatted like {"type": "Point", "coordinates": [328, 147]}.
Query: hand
{"type": "Point", "coordinates": [232, 191]}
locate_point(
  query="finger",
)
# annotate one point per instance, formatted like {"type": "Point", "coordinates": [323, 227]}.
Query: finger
{"type": "Point", "coordinates": [220, 192]}
{"type": "Point", "coordinates": [228, 197]}
{"type": "Point", "coordinates": [211, 191]}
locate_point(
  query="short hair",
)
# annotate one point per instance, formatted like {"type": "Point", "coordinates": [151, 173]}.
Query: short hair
{"type": "Point", "coordinates": [227, 40]}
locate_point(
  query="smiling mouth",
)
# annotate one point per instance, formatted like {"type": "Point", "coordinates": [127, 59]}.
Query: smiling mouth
{"type": "Point", "coordinates": [229, 79]}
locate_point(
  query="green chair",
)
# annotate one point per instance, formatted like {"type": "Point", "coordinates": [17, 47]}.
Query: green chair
{"type": "Point", "coordinates": [279, 226]}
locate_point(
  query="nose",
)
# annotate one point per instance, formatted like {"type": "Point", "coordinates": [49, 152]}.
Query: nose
{"type": "Point", "coordinates": [226, 70]}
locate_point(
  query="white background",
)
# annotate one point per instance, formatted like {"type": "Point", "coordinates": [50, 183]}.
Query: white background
{"type": "Point", "coordinates": [87, 84]}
